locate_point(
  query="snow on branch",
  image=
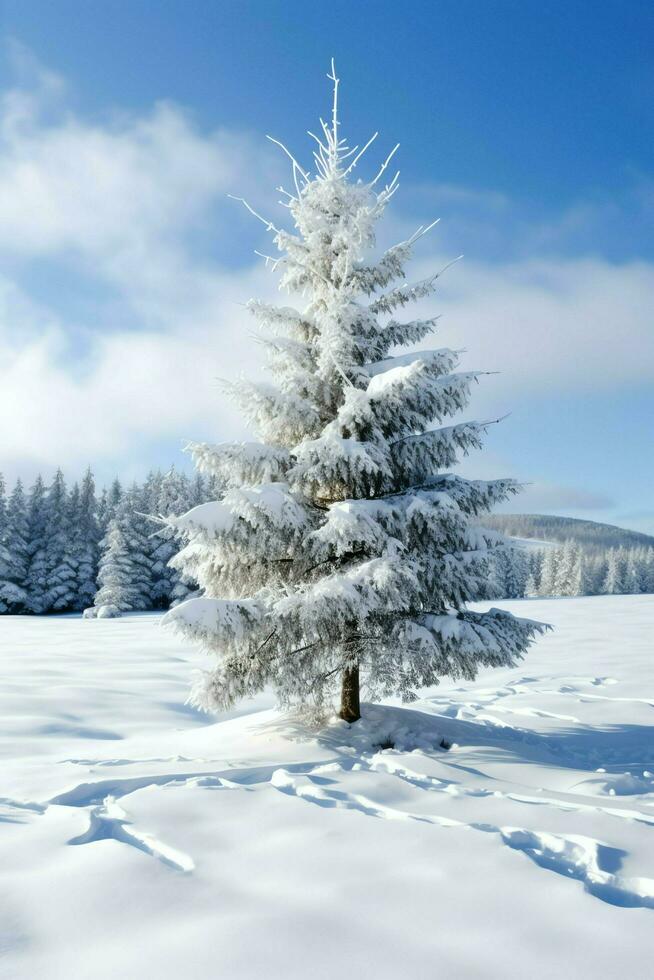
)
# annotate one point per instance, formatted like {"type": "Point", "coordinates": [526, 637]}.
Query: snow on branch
{"type": "Point", "coordinates": [409, 293]}
{"type": "Point", "coordinates": [237, 463]}
{"type": "Point", "coordinates": [385, 165]}
{"type": "Point", "coordinates": [219, 623]}
{"type": "Point", "coordinates": [440, 361]}
{"type": "Point", "coordinates": [419, 455]}
{"type": "Point", "coordinates": [282, 418]}
{"type": "Point", "coordinates": [296, 165]}
{"type": "Point", "coordinates": [280, 318]}
{"type": "Point", "coordinates": [269, 224]}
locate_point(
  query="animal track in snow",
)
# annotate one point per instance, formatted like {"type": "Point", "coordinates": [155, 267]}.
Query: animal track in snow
{"type": "Point", "coordinates": [95, 791]}
{"type": "Point", "coordinates": [581, 858]}
{"type": "Point", "coordinates": [586, 860]}
{"type": "Point", "coordinates": [622, 784]}
{"type": "Point", "coordinates": [108, 821]}
{"type": "Point", "coordinates": [381, 763]}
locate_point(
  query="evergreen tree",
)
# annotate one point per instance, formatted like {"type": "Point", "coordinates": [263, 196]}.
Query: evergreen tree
{"type": "Point", "coordinates": [5, 555]}
{"type": "Point", "coordinates": [494, 586]}
{"type": "Point", "coordinates": [597, 574]}
{"type": "Point", "coordinates": [151, 491]}
{"type": "Point", "coordinates": [581, 580]}
{"type": "Point", "coordinates": [14, 554]}
{"type": "Point", "coordinates": [59, 571]}
{"type": "Point", "coordinates": [3, 507]}
{"type": "Point", "coordinates": [115, 575]}
{"type": "Point", "coordinates": [535, 569]}
{"type": "Point", "coordinates": [150, 495]}
{"type": "Point", "coordinates": [199, 490]}
{"type": "Point", "coordinates": [516, 571]}
{"type": "Point", "coordinates": [72, 546]}
{"type": "Point", "coordinates": [107, 506]}
{"type": "Point", "coordinates": [36, 578]}
{"type": "Point", "coordinates": [649, 571]}
{"type": "Point", "coordinates": [125, 575]}
{"type": "Point", "coordinates": [174, 498]}
{"type": "Point", "coordinates": [614, 583]}
{"type": "Point", "coordinates": [635, 572]}
{"type": "Point", "coordinates": [341, 549]}
{"type": "Point", "coordinates": [85, 542]}
{"type": "Point", "coordinates": [549, 572]}
{"type": "Point", "coordinates": [565, 581]}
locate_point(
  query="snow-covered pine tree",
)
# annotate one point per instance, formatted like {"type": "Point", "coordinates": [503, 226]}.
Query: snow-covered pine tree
{"type": "Point", "coordinates": [115, 592]}
{"type": "Point", "coordinates": [341, 550]}
{"type": "Point", "coordinates": [72, 549]}
{"type": "Point", "coordinates": [13, 571]}
{"type": "Point", "coordinates": [548, 573]}
{"type": "Point", "coordinates": [635, 572]}
{"type": "Point", "coordinates": [3, 506]}
{"type": "Point", "coordinates": [584, 573]}
{"type": "Point", "coordinates": [531, 586]}
{"type": "Point", "coordinates": [85, 542]}
{"type": "Point", "coordinates": [535, 561]}
{"type": "Point", "coordinates": [124, 578]}
{"type": "Point", "coordinates": [59, 571]}
{"type": "Point", "coordinates": [513, 572]}
{"type": "Point", "coordinates": [494, 584]}
{"type": "Point", "coordinates": [35, 580]}
{"type": "Point", "coordinates": [5, 556]}
{"type": "Point", "coordinates": [565, 582]}
{"type": "Point", "coordinates": [199, 489]}
{"type": "Point", "coordinates": [107, 506]}
{"type": "Point", "coordinates": [614, 582]}
{"type": "Point", "coordinates": [597, 568]}
{"type": "Point", "coordinates": [649, 571]}
{"type": "Point", "coordinates": [150, 496]}
{"type": "Point", "coordinates": [174, 498]}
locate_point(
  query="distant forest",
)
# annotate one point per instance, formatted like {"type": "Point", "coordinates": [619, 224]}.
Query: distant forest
{"type": "Point", "coordinates": [69, 549]}
{"type": "Point", "coordinates": [569, 569]}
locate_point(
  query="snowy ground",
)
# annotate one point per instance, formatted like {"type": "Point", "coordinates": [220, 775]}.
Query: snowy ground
{"type": "Point", "coordinates": [139, 838]}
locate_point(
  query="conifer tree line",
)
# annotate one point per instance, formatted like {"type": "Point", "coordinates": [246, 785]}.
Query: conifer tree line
{"type": "Point", "coordinates": [571, 570]}
{"type": "Point", "coordinates": [70, 549]}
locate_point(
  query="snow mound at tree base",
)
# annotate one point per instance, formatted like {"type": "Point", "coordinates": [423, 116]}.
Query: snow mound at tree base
{"type": "Point", "coordinates": [106, 611]}
{"type": "Point", "coordinates": [384, 727]}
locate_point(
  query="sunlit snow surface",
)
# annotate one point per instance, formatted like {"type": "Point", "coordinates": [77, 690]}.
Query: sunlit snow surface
{"type": "Point", "coordinates": [140, 838]}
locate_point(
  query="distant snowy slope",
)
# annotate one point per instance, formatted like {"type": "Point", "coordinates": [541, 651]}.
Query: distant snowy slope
{"type": "Point", "coordinates": [589, 534]}
{"type": "Point", "coordinates": [532, 544]}
{"type": "Point", "coordinates": [139, 837]}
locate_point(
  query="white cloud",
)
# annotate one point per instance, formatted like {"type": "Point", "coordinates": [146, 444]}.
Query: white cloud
{"type": "Point", "coordinates": [554, 325]}
{"type": "Point", "coordinates": [118, 203]}
{"type": "Point", "coordinates": [539, 497]}
{"type": "Point", "coordinates": [135, 386]}
{"type": "Point", "coordinates": [120, 199]}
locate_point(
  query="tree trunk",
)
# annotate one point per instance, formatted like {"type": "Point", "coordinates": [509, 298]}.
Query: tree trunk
{"type": "Point", "coordinates": [350, 704]}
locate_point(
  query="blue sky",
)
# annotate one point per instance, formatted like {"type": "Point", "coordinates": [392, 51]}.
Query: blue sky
{"type": "Point", "coordinates": [527, 127]}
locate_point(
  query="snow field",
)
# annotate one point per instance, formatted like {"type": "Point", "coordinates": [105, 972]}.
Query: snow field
{"type": "Point", "coordinates": [139, 837]}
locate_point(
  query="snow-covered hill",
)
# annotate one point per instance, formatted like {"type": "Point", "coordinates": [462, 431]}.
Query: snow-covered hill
{"type": "Point", "coordinates": [139, 837]}
{"type": "Point", "coordinates": [591, 535]}
{"type": "Point", "coordinates": [533, 544]}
